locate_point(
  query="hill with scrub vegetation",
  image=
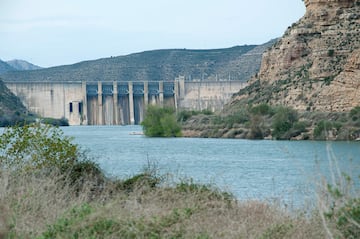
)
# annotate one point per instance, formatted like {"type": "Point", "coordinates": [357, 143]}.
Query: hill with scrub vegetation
{"type": "Point", "coordinates": [21, 65]}
{"type": "Point", "coordinates": [11, 108]}
{"type": "Point", "coordinates": [5, 67]}
{"type": "Point", "coordinates": [235, 63]}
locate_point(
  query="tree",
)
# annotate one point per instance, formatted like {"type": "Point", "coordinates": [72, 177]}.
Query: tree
{"type": "Point", "coordinates": [161, 122]}
{"type": "Point", "coordinates": [283, 122]}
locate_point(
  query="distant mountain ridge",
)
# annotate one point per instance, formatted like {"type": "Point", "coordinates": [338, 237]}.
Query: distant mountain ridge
{"type": "Point", "coordinates": [22, 65]}
{"type": "Point", "coordinates": [4, 67]}
{"type": "Point", "coordinates": [239, 62]}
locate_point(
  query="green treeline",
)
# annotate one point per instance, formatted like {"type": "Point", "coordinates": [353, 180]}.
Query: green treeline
{"type": "Point", "coordinates": [253, 122]}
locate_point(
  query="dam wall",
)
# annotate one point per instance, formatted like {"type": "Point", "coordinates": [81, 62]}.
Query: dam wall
{"type": "Point", "coordinates": [119, 102]}
{"type": "Point", "coordinates": [210, 95]}
{"type": "Point", "coordinates": [50, 99]}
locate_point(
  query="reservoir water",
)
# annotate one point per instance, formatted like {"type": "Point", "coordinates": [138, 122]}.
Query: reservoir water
{"type": "Point", "coordinates": [286, 171]}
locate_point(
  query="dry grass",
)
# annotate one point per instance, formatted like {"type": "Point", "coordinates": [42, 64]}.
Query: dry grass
{"type": "Point", "coordinates": [35, 205]}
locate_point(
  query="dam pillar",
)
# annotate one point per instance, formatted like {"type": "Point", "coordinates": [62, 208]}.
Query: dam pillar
{"type": "Point", "coordinates": [176, 93]}
{"type": "Point", "coordinates": [100, 104]}
{"type": "Point", "coordinates": [161, 93]}
{"type": "Point", "coordinates": [131, 103]}
{"type": "Point", "coordinates": [181, 87]}
{"type": "Point", "coordinates": [146, 93]}
{"type": "Point", "coordinates": [115, 97]}
{"type": "Point", "coordinates": [84, 119]}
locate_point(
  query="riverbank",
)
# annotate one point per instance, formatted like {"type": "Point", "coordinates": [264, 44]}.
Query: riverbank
{"type": "Point", "coordinates": [272, 122]}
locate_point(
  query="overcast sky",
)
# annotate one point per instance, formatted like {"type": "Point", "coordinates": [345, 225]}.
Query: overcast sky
{"type": "Point", "coordinates": [58, 32]}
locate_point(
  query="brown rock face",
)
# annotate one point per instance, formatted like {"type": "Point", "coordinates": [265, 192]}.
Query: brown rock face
{"type": "Point", "coordinates": [317, 4]}
{"type": "Point", "coordinates": [316, 64]}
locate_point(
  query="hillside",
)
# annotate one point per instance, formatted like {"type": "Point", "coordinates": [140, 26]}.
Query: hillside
{"type": "Point", "coordinates": [4, 67]}
{"type": "Point", "coordinates": [22, 65]}
{"type": "Point", "coordinates": [240, 62]}
{"type": "Point", "coordinates": [315, 66]}
{"type": "Point", "coordinates": [11, 108]}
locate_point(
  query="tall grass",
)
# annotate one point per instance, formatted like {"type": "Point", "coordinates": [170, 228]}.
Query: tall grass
{"type": "Point", "coordinates": [339, 201]}
{"type": "Point", "coordinates": [43, 206]}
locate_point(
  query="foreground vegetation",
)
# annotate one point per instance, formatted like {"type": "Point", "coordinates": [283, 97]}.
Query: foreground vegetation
{"type": "Point", "coordinates": [50, 189]}
{"type": "Point", "coordinates": [263, 121]}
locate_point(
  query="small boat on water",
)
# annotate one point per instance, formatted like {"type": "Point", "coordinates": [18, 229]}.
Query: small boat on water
{"type": "Point", "coordinates": [136, 133]}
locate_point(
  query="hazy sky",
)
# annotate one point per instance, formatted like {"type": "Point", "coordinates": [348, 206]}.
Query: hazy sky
{"type": "Point", "coordinates": [57, 32]}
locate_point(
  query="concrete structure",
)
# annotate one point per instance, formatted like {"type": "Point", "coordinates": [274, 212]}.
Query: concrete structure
{"type": "Point", "coordinates": [119, 103]}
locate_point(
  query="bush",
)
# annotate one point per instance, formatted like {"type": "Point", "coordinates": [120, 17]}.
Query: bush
{"type": "Point", "coordinates": [262, 109]}
{"type": "Point", "coordinates": [184, 115]}
{"type": "Point", "coordinates": [161, 122]}
{"type": "Point", "coordinates": [36, 146]}
{"type": "Point", "coordinates": [45, 148]}
{"type": "Point", "coordinates": [355, 113]}
{"type": "Point", "coordinates": [55, 122]}
{"type": "Point", "coordinates": [321, 129]}
{"type": "Point", "coordinates": [341, 207]}
{"type": "Point", "coordinates": [331, 52]}
{"type": "Point", "coordinates": [283, 121]}
{"type": "Point", "coordinates": [239, 117]}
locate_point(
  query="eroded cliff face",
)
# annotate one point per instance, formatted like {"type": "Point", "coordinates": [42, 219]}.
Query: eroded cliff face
{"type": "Point", "coordinates": [316, 64]}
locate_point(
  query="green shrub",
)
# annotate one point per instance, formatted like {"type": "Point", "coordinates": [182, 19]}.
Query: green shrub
{"type": "Point", "coordinates": [300, 126]}
{"type": "Point", "coordinates": [207, 112]}
{"type": "Point", "coordinates": [278, 231]}
{"type": "Point", "coordinates": [189, 186]}
{"type": "Point", "coordinates": [331, 52]}
{"type": "Point", "coordinates": [355, 113]}
{"type": "Point", "coordinates": [283, 121]}
{"type": "Point", "coordinates": [161, 122]}
{"type": "Point", "coordinates": [184, 115]}
{"type": "Point", "coordinates": [142, 180]}
{"type": "Point", "coordinates": [55, 122]}
{"type": "Point", "coordinates": [239, 117]}
{"type": "Point", "coordinates": [36, 146]}
{"type": "Point", "coordinates": [44, 148]}
{"type": "Point", "coordinates": [342, 207]}
{"type": "Point", "coordinates": [83, 171]}
{"type": "Point", "coordinates": [262, 109]}
{"type": "Point", "coordinates": [322, 128]}
{"type": "Point", "coordinates": [256, 127]}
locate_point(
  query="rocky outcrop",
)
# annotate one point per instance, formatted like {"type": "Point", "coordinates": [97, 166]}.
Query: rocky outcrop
{"type": "Point", "coordinates": [316, 64]}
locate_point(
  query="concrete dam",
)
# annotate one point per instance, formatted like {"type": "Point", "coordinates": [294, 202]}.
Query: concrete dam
{"type": "Point", "coordinates": [119, 102]}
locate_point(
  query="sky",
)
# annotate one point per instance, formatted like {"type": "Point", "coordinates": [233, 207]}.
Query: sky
{"type": "Point", "coordinates": [60, 32]}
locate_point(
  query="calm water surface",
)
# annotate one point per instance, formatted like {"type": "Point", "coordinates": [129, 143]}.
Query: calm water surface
{"type": "Point", "coordinates": [284, 170]}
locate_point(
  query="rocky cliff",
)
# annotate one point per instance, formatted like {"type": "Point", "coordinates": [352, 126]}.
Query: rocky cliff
{"type": "Point", "coordinates": [316, 64]}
